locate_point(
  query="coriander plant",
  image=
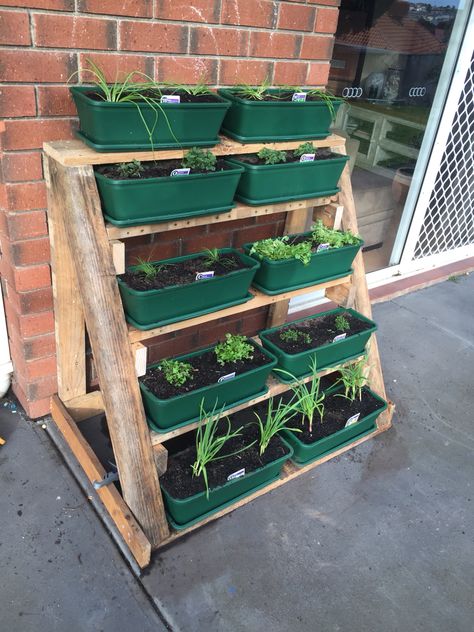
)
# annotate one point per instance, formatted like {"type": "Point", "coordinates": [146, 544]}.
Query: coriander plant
{"type": "Point", "coordinates": [233, 349]}
{"type": "Point", "coordinates": [275, 420]}
{"type": "Point", "coordinates": [305, 148]}
{"type": "Point", "coordinates": [279, 248]}
{"type": "Point", "coordinates": [293, 335]}
{"type": "Point", "coordinates": [341, 322]}
{"type": "Point", "coordinates": [176, 372]}
{"type": "Point", "coordinates": [321, 234]}
{"type": "Point", "coordinates": [353, 378]}
{"type": "Point", "coordinates": [200, 159]}
{"type": "Point", "coordinates": [272, 156]}
{"type": "Point", "coordinates": [132, 169]}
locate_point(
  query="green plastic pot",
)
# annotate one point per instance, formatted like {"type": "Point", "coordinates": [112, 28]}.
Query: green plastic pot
{"type": "Point", "coordinates": [268, 184]}
{"type": "Point", "coordinates": [275, 277]}
{"type": "Point", "coordinates": [119, 126]}
{"type": "Point", "coordinates": [144, 200]}
{"type": "Point", "coordinates": [255, 121]}
{"type": "Point", "coordinates": [165, 414]}
{"type": "Point", "coordinates": [331, 354]}
{"type": "Point", "coordinates": [183, 512]}
{"type": "Point", "coordinates": [305, 453]}
{"type": "Point", "coordinates": [154, 308]}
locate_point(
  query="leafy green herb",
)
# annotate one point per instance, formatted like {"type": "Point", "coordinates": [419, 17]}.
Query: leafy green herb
{"type": "Point", "coordinates": [233, 349]}
{"type": "Point", "coordinates": [272, 156]}
{"type": "Point", "coordinates": [176, 372]}
{"type": "Point", "coordinates": [305, 148]}
{"type": "Point", "coordinates": [341, 322]}
{"type": "Point", "coordinates": [279, 248]}
{"type": "Point", "coordinates": [200, 159]}
{"type": "Point", "coordinates": [321, 234]}
{"type": "Point", "coordinates": [274, 422]}
{"type": "Point", "coordinates": [293, 335]}
{"type": "Point", "coordinates": [132, 169]}
{"type": "Point", "coordinates": [354, 378]}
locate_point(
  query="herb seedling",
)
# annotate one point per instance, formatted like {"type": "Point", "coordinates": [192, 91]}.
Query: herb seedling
{"type": "Point", "coordinates": [321, 234]}
{"type": "Point", "coordinates": [327, 98]}
{"type": "Point", "coordinates": [234, 348]}
{"type": "Point", "coordinates": [175, 372]}
{"type": "Point", "coordinates": [254, 93]}
{"type": "Point", "coordinates": [274, 421]}
{"type": "Point", "coordinates": [199, 89]}
{"type": "Point", "coordinates": [353, 378]}
{"type": "Point", "coordinates": [272, 156]}
{"type": "Point", "coordinates": [199, 159]}
{"type": "Point", "coordinates": [147, 268]}
{"type": "Point", "coordinates": [213, 256]}
{"type": "Point", "coordinates": [341, 322]}
{"type": "Point", "coordinates": [133, 169]}
{"type": "Point", "coordinates": [279, 248]}
{"type": "Point", "coordinates": [293, 335]}
{"type": "Point", "coordinates": [307, 398]}
{"type": "Point", "coordinates": [305, 148]}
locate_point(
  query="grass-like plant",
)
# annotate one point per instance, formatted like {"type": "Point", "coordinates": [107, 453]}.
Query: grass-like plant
{"type": "Point", "coordinates": [147, 268]}
{"type": "Point", "coordinates": [253, 93]}
{"type": "Point", "coordinates": [341, 322]}
{"type": "Point", "coordinates": [203, 160]}
{"type": "Point", "coordinates": [200, 88]}
{"type": "Point", "coordinates": [353, 377]}
{"type": "Point", "coordinates": [305, 148]}
{"type": "Point", "coordinates": [234, 348]}
{"type": "Point", "coordinates": [327, 97]}
{"type": "Point", "coordinates": [293, 335]}
{"type": "Point", "coordinates": [176, 372]}
{"type": "Point", "coordinates": [213, 257]}
{"type": "Point", "coordinates": [272, 156]}
{"type": "Point", "coordinates": [275, 421]}
{"type": "Point", "coordinates": [133, 169]}
{"type": "Point", "coordinates": [278, 248]}
{"type": "Point", "coordinates": [321, 234]}
{"type": "Point", "coordinates": [210, 441]}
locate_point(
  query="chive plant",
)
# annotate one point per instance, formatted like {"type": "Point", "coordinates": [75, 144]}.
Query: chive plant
{"type": "Point", "coordinates": [353, 378]}
{"type": "Point", "coordinates": [275, 421]}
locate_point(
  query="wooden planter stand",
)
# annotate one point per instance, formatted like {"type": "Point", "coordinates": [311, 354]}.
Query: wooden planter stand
{"type": "Point", "coordinates": [87, 253]}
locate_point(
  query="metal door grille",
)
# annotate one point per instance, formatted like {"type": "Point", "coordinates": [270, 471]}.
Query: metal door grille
{"type": "Point", "coordinates": [449, 219]}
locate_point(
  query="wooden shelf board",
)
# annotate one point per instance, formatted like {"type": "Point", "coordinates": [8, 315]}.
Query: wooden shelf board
{"type": "Point", "coordinates": [240, 211]}
{"type": "Point", "coordinates": [260, 300]}
{"type": "Point", "coordinates": [275, 387]}
{"type": "Point", "coordinates": [75, 153]}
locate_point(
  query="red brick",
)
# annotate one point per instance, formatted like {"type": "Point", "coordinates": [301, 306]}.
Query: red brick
{"type": "Point", "coordinates": [64, 31]}
{"type": "Point", "coordinates": [36, 66]}
{"type": "Point", "coordinates": [29, 252]}
{"type": "Point", "coordinates": [318, 74]}
{"type": "Point", "coordinates": [326, 20]}
{"type": "Point", "coordinates": [54, 5]}
{"type": "Point", "coordinates": [33, 369]}
{"type": "Point", "coordinates": [29, 325]}
{"type": "Point", "coordinates": [133, 8]}
{"type": "Point", "coordinates": [232, 226]}
{"type": "Point", "coordinates": [274, 45]}
{"type": "Point", "coordinates": [26, 196]}
{"type": "Point", "coordinates": [194, 231]}
{"type": "Point", "coordinates": [254, 321]}
{"type": "Point", "coordinates": [296, 17]}
{"type": "Point", "coordinates": [316, 47]}
{"type": "Point", "coordinates": [270, 219]}
{"type": "Point", "coordinates": [32, 302]}
{"type": "Point", "coordinates": [180, 344]}
{"type": "Point", "coordinates": [31, 277]}
{"type": "Point", "coordinates": [218, 41]}
{"type": "Point", "coordinates": [29, 134]}
{"type": "Point", "coordinates": [17, 101]}
{"type": "Point", "coordinates": [37, 409]}
{"type": "Point", "coordinates": [216, 333]}
{"type": "Point", "coordinates": [55, 101]}
{"type": "Point", "coordinates": [185, 11]}
{"type": "Point", "coordinates": [248, 235]}
{"type": "Point", "coordinates": [37, 395]}
{"type": "Point", "coordinates": [117, 66]}
{"type": "Point", "coordinates": [26, 225]}
{"type": "Point", "coordinates": [153, 37]}
{"type": "Point", "coordinates": [22, 166]}
{"type": "Point", "coordinates": [155, 252]}
{"type": "Point", "coordinates": [186, 69]}
{"type": "Point", "coordinates": [329, 3]}
{"type": "Point", "coordinates": [196, 244]}
{"type": "Point", "coordinates": [290, 73]}
{"type": "Point", "coordinates": [243, 71]}
{"type": "Point", "coordinates": [15, 28]}
{"type": "Point", "coordinates": [249, 13]}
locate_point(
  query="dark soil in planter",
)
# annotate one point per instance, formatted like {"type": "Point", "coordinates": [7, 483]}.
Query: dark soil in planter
{"type": "Point", "coordinates": [337, 411]}
{"type": "Point", "coordinates": [156, 169]}
{"type": "Point", "coordinates": [179, 481]}
{"type": "Point", "coordinates": [253, 159]}
{"type": "Point", "coordinates": [182, 272]}
{"type": "Point", "coordinates": [283, 96]}
{"type": "Point", "coordinates": [150, 94]}
{"type": "Point", "coordinates": [322, 331]}
{"type": "Point", "coordinates": [207, 371]}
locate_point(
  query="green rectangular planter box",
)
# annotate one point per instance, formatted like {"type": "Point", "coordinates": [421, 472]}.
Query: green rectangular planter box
{"type": "Point", "coordinates": [268, 184]}
{"type": "Point", "coordinates": [119, 126]}
{"type": "Point", "coordinates": [299, 364]}
{"type": "Point", "coordinates": [184, 512]}
{"type": "Point", "coordinates": [274, 277]}
{"type": "Point", "coordinates": [165, 414]}
{"type": "Point", "coordinates": [304, 452]}
{"type": "Point", "coordinates": [144, 200]}
{"type": "Point", "coordinates": [154, 308]}
{"type": "Point", "coordinates": [255, 121]}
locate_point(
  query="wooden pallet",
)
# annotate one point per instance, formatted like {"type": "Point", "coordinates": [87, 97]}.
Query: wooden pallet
{"type": "Point", "coordinates": [86, 254]}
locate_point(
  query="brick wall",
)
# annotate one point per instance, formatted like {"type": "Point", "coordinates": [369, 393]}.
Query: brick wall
{"type": "Point", "coordinates": [42, 43]}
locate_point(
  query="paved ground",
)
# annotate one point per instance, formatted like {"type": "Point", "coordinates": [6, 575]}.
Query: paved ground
{"type": "Point", "coordinates": [378, 539]}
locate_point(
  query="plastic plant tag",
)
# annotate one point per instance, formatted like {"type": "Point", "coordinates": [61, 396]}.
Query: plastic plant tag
{"type": "Point", "coordinates": [170, 98]}
{"type": "Point", "coordinates": [237, 474]}
{"type": "Point", "coordinates": [204, 275]}
{"type": "Point", "coordinates": [307, 157]}
{"type": "Point", "coordinates": [226, 378]}
{"type": "Point", "coordinates": [352, 420]}
{"type": "Point", "coordinates": [299, 96]}
{"type": "Point", "coordinates": [181, 172]}
{"type": "Point", "coordinates": [339, 337]}
{"type": "Point", "coordinates": [322, 247]}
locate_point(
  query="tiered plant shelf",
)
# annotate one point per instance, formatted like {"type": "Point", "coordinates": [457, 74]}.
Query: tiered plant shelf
{"type": "Point", "coordinates": [87, 253]}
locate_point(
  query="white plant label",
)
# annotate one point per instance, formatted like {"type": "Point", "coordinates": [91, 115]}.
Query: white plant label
{"type": "Point", "coordinates": [204, 275]}
{"type": "Point", "coordinates": [307, 157]}
{"type": "Point", "coordinates": [181, 172]}
{"type": "Point", "coordinates": [237, 474]}
{"type": "Point", "coordinates": [352, 420]}
{"type": "Point", "coordinates": [170, 98]}
{"type": "Point", "coordinates": [339, 337]}
{"type": "Point", "coordinates": [322, 247]}
{"type": "Point", "coordinates": [226, 378]}
{"type": "Point", "coordinates": [299, 96]}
